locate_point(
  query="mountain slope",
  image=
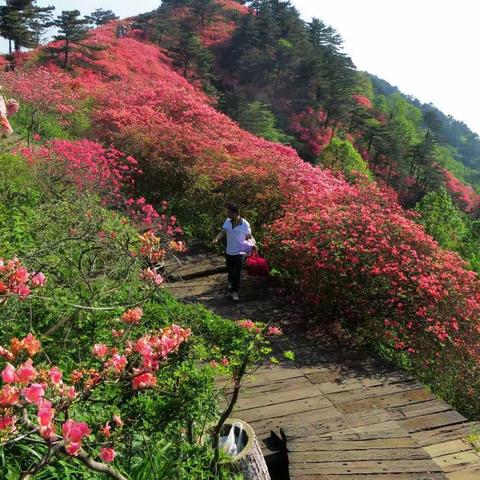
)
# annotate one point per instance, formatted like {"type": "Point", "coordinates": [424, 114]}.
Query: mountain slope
{"type": "Point", "coordinates": [350, 249]}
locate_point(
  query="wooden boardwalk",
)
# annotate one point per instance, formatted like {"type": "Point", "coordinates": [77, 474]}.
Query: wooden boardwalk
{"type": "Point", "coordinates": [345, 414]}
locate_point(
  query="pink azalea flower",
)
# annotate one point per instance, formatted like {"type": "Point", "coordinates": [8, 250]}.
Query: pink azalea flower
{"type": "Point", "coordinates": [107, 454]}
{"type": "Point", "coordinates": [248, 324]}
{"type": "Point", "coordinates": [45, 413]}
{"type": "Point", "coordinates": [9, 395]}
{"type": "Point", "coordinates": [73, 448]}
{"type": "Point", "coordinates": [133, 315]}
{"type": "Point", "coordinates": [73, 434]}
{"type": "Point", "coordinates": [119, 362]}
{"type": "Point", "coordinates": [100, 350]}
{"type": "Point", "coordinates": [39, 280]}
{"type": "Point", "coordinates": [34, 393]}
{"type": "Point", "coordinates": [144, 380]}
{"type": "Point", "coordinates": [31, 344]}
{"type": "Point", "coordinates": [56, 375]}
{"type": "Point", "coordinates": [25, 372]}
{"type": "Point", "coordinates": [274, 331]}
{"type": "Point", "coordinates": [8, 374]}
{"type": "Point", "coordinates": [6, 422]}
{"type": "Point", "coordinates": [106, 429]}
{"type": "Point", "coordinates": [71, 394]}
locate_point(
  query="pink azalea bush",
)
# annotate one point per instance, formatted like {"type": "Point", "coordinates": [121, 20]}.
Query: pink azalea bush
{"type": "Point", "coordinates": [38, 404]}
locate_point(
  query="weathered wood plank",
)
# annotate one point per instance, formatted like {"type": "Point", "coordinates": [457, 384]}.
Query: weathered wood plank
{"type": "Point", "coordinates": [341, 423]}
{"type": "Point", "coordinates": [251, 389]}
{"type": "Point", "coordinates": [365, 467]}
{"type": "Point", "coordinates": [371, 429]}
{"type": "Point", "coordinates": [286, 395]}
{"type": "Point", "coordinates": [284, 409]}
{"type": "Point", "coordinates": [370, 454]}
{"type": "Point", "coordinates": [447, 448]}
{"type": "Point", "coordinates": [452, 462]}
{"type": "Point", "coordinates": [266, 375]}
{"type": "Point", "coordinates": [427, 422]}
{"type": "Point", "coordinates": [387, 476]}
{"type": "Point", "coordinates": [472, 473]}
{"type": "Point", "coordinates": [444, 433]}
{"type": "Point", "coordinates": [398, 399]}
{"type": "Point", "coordinates": [311, 444]}
{"type": "Point", "coordinates": [315, 417]}
{"type": "Point", "coordinates": [420, 409]}
{"type": "Point", "coordinates": [363, 390]}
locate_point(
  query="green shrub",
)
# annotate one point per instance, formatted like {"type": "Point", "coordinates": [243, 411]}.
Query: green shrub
{"type": "Point", "coordinates": [340, 155]}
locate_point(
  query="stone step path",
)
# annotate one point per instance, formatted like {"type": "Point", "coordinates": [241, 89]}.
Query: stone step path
{"type": "Point", "coordinates": [346, 415]}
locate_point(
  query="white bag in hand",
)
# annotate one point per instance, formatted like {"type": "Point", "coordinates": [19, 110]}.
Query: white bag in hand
{"type": "Point", "coordinates": [232, 443]}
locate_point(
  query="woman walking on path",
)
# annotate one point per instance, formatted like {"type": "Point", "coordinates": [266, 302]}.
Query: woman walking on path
{"type": "Point", "coordinates": [240, 243]}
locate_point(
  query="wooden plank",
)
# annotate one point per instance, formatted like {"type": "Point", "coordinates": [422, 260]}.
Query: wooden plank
{"type": "Point", "coordinates": [343, 423]}
{"type": "Point", "coordinates": [472, 473]}
{"type": "Point", "coordinates": [371, 429]}
{"type": "Point", "coordinates": [346, 385]}
{"type": "Point", "coordinates": [249, 389]}
{"type": "Point", "coordinates": [452, 462]}
{"type": "Point", "coordinates": [284, 409]}
{"type": "Point", "coordinates": [387, 476]}
{"type": "Point", "coordinates": [372, 388]}
{"type": "Point", "coordinates": [315, 416]}
{"type": "Point", "coordinates": [389, 454]}
{"type": "Point", "coordinates": [394, 434]}
{"type": "Point", "coordinates": [447, 448]}
{"type": "Point", "coordinates": [427, 422]}
{"type": "Point", "coordinates": [324, 444]}
{"type": "Point", "coordinates": [444, 433]}
{"type": "Point", "coordinates": [397, 399]}
{"type": "Point", "coordinates": [420, 409]}
{"type": "Point", "coordinates": [316, 375]}
{"type": "Point", "coordinates": [266, 375]}
{"type": "Point", "coordinates": [365, 467]}
{"type": "Point", "coordinates": [287, 395]}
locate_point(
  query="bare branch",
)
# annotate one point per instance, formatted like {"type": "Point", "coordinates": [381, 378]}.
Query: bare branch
{"type": "Point", "coordinates": [99, 467]}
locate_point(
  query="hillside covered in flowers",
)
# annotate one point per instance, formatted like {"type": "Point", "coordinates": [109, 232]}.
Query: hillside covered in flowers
{"type": "Point", "coordinates": [130, 140]}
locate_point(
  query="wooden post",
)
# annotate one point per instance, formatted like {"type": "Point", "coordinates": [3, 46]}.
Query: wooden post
{"type": "Point", "coordinates": [250, 459]}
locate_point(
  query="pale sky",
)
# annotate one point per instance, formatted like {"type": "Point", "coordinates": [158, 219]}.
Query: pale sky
{"type": "Point", "coordinates": [428, 48]}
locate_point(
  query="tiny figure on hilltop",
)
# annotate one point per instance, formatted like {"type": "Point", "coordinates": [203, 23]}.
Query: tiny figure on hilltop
{"type": "Point", "coordinates": [121, 30]}
{"type": "Point", "coordinates": [240, 243]}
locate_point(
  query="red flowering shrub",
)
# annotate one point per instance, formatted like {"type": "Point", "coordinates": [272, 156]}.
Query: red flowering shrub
{"type": "Point", "coordinates": [362, 101]}
{"type": "Point", "coordinates": [88, 165]}
{"type": "Point", "coordinates": [354, 254]}
{"type": "Point", "coordinates": [466, 197]}
{"type": "Point", "coordinates": [309, 129]}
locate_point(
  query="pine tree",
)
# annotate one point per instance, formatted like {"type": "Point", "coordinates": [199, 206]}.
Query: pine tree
{"type": "Point", "coordinates": [15, 18]}
{"type": "Point", "coordinates": [204, 11]}
{"type": "Point", "coordinates": [12, 27]}
{"type": "Point", "coordinates": [72, 30]}
{"type": "Point", "coordinates": [194, 60]}
{"type": "Point", "coordinates": [101, 17]}
{"type": "Point", "coordinates": [38, 19]}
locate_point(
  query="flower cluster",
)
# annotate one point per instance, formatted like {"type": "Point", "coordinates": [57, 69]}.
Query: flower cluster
{"type": "Point", "coordinates": [36, 400]}
{"type": "Point", "coordinates": [16, 280]}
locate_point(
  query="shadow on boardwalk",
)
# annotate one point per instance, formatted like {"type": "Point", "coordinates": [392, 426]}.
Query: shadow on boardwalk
{"type": "Point", "coordinates": [346, 415]}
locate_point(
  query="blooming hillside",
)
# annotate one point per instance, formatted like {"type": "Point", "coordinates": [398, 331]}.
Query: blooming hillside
{"type": "Point", "coordinates": [351, 249]}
